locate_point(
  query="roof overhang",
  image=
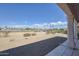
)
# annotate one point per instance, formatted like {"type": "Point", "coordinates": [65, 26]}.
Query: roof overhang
{"type": "Point", "coordinates": [71, 9]}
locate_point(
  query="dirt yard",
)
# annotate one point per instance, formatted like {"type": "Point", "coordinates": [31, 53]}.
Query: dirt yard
{"type": "Point", "coordinates": [17, 39]}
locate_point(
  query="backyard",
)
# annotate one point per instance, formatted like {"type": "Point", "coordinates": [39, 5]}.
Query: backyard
{"type": "Point", "coordinates": [29, 43]}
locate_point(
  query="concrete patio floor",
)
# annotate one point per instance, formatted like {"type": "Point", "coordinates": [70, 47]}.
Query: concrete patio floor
{"type": "Point", "coordinates": [64, 50]}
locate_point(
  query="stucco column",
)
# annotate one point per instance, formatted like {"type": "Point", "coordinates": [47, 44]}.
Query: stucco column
{"type": "Point", "coordinates": [71, 42]}
{"type": "Point", "coordinates": [75, 31]}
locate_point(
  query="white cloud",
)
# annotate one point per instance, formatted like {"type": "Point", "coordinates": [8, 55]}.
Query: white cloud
{"type": "Point", "coordinates": [58, 24]}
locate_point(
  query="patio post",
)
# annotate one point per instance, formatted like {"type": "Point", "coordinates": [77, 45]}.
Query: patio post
{"type": "Point", "coordinates": [71, 42]}
{"type": "Point", "coordinates": [75, 30]}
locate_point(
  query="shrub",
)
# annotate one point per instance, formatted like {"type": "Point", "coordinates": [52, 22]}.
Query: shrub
{"type": "Point", "coordinates": [33, 34]}
{"type": "Point", "coordinates": [6, 33]}
{"type": "Point", "coordinates": [27, 35]}
{"type": "Point", "coordinates": [11, 40]}
{"type": "Point", "coordinates": [49, 31]}
{"type": "Point", "coordinates": [52, 31]}
{"type": "Point", "coordinates": [26, 38]}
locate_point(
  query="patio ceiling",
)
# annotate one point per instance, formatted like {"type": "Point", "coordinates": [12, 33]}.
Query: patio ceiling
{"type": "Point", "coordinates": [74, 7]}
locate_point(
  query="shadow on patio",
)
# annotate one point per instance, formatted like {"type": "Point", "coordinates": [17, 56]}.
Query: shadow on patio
{"type": "Point", "coordinates": [35, 49]}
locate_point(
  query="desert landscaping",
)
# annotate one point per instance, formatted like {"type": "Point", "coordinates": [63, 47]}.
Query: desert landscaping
{"type": "Point", "coordinates": [16, 39]}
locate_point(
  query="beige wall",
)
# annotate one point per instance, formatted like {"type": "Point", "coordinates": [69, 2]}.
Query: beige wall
{"type": "Point", "coordinates": [72, 25]}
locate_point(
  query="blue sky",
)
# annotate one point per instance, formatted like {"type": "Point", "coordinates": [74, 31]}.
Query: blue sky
{"type": "Point", "coordinates": [28, 14]}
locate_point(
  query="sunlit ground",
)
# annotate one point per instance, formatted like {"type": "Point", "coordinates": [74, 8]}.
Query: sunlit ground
{"type": "Point", "coordinates": [16, 39]}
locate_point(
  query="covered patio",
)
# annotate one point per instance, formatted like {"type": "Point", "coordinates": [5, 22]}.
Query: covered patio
{"type": "Point", "coordinates": [71, 46]}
